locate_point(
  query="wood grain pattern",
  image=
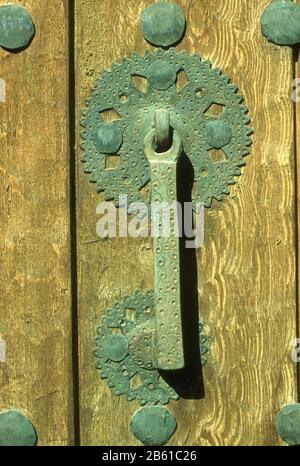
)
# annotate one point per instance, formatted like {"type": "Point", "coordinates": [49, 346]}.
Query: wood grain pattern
{"type": "Point", "coordinates": [35, 312]}
{"type": "Point", "coordinates": [246, 269]}
{"type": "Point", "coordinates": [297, 155]}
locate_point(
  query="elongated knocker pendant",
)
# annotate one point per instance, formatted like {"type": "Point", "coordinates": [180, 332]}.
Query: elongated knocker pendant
{"type": "Point", "coordinates": [163, 166]}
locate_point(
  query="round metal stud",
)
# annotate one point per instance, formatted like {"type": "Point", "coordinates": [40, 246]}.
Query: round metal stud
{"type": "Point", "coordinates": [16, 27]}
{"type": "Point", "coordinates": [108, 138]}
{"type": "Point", "coordinates": [16, 430]}
{"type": "Point", "coordinates": [218, 133]}
{"type": "Point", "coordinates": [162, 127]}
{"type": "Point", "coordinates": [161, 75]}
{"type": "Point", "coordinates": [288, 423]}
{"type": "Point", "coordinates": [115, 347]}
{"type": "Point", "coordinates": [163, 24]}
{"type": "Point", "coordinates": [153, 425]}
{"type": "Point", "coordinates": [280, 22]}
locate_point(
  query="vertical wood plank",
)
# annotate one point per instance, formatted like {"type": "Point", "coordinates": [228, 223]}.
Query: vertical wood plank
{"type": "Point", "coordinates": [246, 269]}
{"type": "Point", "coordinates": [297, 155]}
{"type": "Point", "coordinates": [35, 311]}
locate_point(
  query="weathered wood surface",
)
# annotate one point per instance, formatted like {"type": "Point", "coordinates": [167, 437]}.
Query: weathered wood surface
{"type": "Point", "coordinates": [297, 156]}
{"type": "Point", "coordinates": [35, 311]}
{"type": "Point", "coordinates": [246, 269]}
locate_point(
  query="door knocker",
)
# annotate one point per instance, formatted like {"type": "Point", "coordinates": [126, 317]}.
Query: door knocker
{"type": "Point", "coordinates": [155, 126]}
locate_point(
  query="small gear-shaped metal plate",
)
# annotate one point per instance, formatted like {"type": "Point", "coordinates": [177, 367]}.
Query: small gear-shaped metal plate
{"type": "Point", "coordinates": [216, 142]}
{"type": "Point", "coordinates": [123, 353]}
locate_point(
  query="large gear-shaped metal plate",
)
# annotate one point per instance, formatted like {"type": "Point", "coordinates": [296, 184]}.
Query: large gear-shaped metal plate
{"type": "Point", "coordinates": [190, 107]}
{"type": "Point", "coordinates": [123, 351]}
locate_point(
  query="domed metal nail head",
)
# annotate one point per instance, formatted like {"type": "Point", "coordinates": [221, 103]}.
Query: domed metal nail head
{"type": "Point", "coordinates": [280, 22]}
{"type": "Point", "coordinates": [163, 24]}
{"type": "Point", "coordinates": [16, 430]}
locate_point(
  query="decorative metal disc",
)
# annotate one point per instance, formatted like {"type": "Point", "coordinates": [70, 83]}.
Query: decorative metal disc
{"type": "Point", "coordinates": [215, 144]}
{"type": "Point", "coordinates": [123, 353]}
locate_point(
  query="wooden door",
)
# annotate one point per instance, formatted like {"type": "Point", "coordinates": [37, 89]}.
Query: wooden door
{"type": "Point", "coordinates": [59, 277]}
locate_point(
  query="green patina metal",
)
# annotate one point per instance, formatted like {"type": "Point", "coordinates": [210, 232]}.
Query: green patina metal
{"type": "Point", "coordinates": [189, 110]}
{"type": "Point", "coordinates": [16, 27]}
{"type": "Point", "coordinates": [163, 24]}
{"type": "Point", "coordinates": [153, 425]}
{"type": "Point", "coordinates": [163, 130]}
{"type": "Point", "coordinates": [288, 423]}
{"type": "Point", "coordinates": [121, 356]}
{"type": "Point", "coordinates": [16, 430]}
{"type": "Point", "coordinates": [108, 137]}
{"type": "Point", "coordinates": [161, 75]}
{"type": "Point", "coordinates": [280, 22]}
{"type": "Point", "coordinates": [167, 300]}
{"type": "Point", "coordinates": [218, 133]}
{"type": "Point", "coordinates": [115, 348]}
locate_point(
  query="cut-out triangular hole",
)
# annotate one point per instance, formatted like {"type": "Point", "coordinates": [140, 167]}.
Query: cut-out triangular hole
{"type": "Point", "coordinates": [216, 155]}
{"type": "Point", "coordinates": [162, 382]}
{"type": "Point", "coordinates": [110, 114]}
{"type": "Point", "coordinates": [140, 83]}
{"type": "Point", "coordinates": [135, 381]}
{"type": "Point", "coordinates": [116, 331]}
{"type": "Point", "coordinates": [144, 192]}
{"type": "Point", "coordinates": [182, 79]}
{"type": "Point", "coordinates": [130, 314]}
{"type": "Point", "coordinates": [215, 110]}
{"type": "Point", "coordinates": [112, 162]}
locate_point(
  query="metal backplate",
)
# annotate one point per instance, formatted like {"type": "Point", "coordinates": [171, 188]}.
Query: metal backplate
{"type": "Point", "coordinates": [124, 353]}
{"type": "Point", "coordinates": [204, 109]}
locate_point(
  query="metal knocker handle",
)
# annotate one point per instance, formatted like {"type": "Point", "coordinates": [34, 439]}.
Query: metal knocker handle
{"type": "Point", "coordinates": [163, 165]}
